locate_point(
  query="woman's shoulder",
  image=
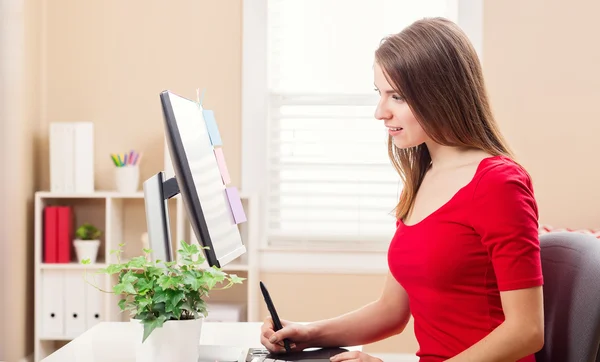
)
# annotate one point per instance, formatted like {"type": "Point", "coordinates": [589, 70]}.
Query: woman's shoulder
{"type": "Point", "coordinates": [496, 173]}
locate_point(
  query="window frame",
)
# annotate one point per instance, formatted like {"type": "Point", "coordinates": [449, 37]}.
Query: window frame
{"type": "Point", "coordinates": [254, 128]}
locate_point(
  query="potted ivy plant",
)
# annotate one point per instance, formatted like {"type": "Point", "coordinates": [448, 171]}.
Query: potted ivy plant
{"type": "Point", "coordinates": [167, 300]}
{"type": "Point", "coordinates": [87, 242]}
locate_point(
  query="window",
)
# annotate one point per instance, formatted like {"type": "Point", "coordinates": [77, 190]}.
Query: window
{"type": "Point", "coordinates": [322, 167]}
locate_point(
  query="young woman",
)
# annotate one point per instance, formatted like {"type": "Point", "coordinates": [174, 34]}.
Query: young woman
{"type": "Point", "coordinates": [465, 258]}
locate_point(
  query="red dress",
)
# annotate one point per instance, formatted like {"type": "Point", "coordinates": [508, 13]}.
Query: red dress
{"type": "Point", "coordinates": [454, 263]}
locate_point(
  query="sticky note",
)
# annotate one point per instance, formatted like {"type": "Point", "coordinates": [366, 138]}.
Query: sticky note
{"type": "Point", "coordinates": [235, 203]}
{"type": "Point", "coordinates": [222, 165]}
{"type": "Point", "coordinates": [211, 126]}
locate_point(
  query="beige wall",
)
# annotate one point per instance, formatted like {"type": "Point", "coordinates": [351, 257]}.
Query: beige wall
{"type": "Point", "coordinates": [106, 61]}
{"type": "Point", "coordinates": [19, 116]}
{"type": "Point", "coordinates": [541, 62]}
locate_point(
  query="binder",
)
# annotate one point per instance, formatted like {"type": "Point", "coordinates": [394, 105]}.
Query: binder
{"type": "Point", "coordinates": [57, 169]}
{"type": "Point", "coordinates": [83, 157]}
{"type": "Point", "coordinates": [53, 307]}
{"type": "Point", "coordinates": [50, 234]}
{"type": "Point", "coordinates": [75, 304]}
{"type": "Point", "coordinates": [69, 157]}
{"type": "Point", "coordinates": [64, 234]}
{"type": "Point", "coordinates": [95, 300]}
{"type": "Point", "coordinates": [71, 152]}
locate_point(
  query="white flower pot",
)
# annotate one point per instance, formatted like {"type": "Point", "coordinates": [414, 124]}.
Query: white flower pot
{"type": "Point", "coordinates": [86, 249]}
{"type": "Point", "coordinates": [174, 341]}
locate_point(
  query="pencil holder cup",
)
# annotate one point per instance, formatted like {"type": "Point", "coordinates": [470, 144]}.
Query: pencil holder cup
{"type": "Point", "coordinates": [127, 178]}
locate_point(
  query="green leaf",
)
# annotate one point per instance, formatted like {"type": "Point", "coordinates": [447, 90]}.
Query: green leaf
{"type": "Point", "coordinates": [143, 302]}
{"type": "Point", "coordinates": [114, 268]}
{"type": "Point", "coordinates": [235, 279]}
{"type": "Point", "coordinates": [174, 299]}
{"type": "Point", "coordinates": [185, 248]}
{"type": "Point", "coordinates": [150, 325]}
{"type": "Point", "coordinates": [147, 251]}
{"type": "Point", "coordinates": [167, 282]}
{"type": "Point", "coordinates": [153, 271]}
{"type": "Point", "coordinates": [175, 296]}
{"type": "Point", "coordinates": [129, 277]}
{"type": "Point", "coordinates": [193, 249]}
{"type": "Point", "coordinates": [122, 304]}
{"type": "Point", "coordinates": [85, 261]}
{"type": "Point", "coordinates": [216, 273]}
{"type": "Point", "coordinates": [192, 281]}
{"type": "Point", "coordinates": [144, 285]}
{"type": "Point", "coordinates": [160, 296]}
{"type": "Point", "coordinates": [137, 262]}
{"type": "Point", "coordinates": [124, 288]}
{"type": "Point", "coordinates": [158, 308]}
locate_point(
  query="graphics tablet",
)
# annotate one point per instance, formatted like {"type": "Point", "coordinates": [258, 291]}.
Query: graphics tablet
{"type": "Point", "coordinates": [308, 355]}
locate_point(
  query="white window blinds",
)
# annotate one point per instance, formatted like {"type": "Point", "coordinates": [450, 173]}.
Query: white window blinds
{"type": "Point", "coordinates": [330, 178]}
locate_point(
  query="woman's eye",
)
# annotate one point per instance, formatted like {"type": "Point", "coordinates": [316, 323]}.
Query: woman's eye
{"type": "Point", "coordinates": [397, 97]}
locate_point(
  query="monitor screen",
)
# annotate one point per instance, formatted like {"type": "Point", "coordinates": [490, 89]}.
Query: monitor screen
{"type": "Point", "coordinates": [199, 179]}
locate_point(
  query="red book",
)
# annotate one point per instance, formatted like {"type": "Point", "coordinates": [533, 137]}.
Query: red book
{"type": "Point", "coordinates": [64, 234]}
{"type": "Point", "coordinates": [50, 234]}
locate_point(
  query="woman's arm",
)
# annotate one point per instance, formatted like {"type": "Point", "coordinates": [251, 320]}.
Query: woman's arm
{"type": "Point", "coordinates": [521, 334]}
{"type": "Point", "coordinates": [377, 320]}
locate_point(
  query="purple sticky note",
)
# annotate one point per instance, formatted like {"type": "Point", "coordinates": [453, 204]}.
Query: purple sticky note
{"type": "Point", "coordinates": [222, 165]}
{"type": "Point", "coordinates": [235, 203]}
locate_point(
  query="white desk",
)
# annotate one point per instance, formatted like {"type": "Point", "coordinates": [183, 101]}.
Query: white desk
{"type": "Point", "coordinates": [113, 341]}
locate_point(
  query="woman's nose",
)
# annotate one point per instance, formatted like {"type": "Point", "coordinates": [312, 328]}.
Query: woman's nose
{"type": "Point", "coordinates": [381, 112]}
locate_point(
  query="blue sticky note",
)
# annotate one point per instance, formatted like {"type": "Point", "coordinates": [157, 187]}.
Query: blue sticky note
{"type": "Point", "coordinates": [235, 203]}
{"type": "Point", "coordinates": [211, 126]}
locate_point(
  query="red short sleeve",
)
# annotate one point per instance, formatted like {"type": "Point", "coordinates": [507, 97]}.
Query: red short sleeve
{"type": "Point", "coordinates": [505, 215]}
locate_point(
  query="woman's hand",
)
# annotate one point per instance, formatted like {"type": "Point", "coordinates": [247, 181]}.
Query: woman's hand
{"type": "Point", "coordinates": [297, 334]}
{"type": "Point", "coordinates": [354, 356]}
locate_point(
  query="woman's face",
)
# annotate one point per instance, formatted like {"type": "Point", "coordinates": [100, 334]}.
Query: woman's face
{"type": "Point", "coordinates": [402, 125]}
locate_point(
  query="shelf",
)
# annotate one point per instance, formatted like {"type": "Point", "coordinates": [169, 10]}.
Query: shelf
{"type": "Point", "coordinates": [92, 195]}
{"type": "Point", "coordinates": [103, 195]}
{"type": "Point", "coordinates": [71, 266]}
{"type": "Point", "coordinates": [57, 338]}
{"type": "Point", "coordinates": [121, 217]}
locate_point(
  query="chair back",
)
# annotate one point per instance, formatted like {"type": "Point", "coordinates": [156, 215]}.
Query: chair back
{"type": "Point", "coordinates": [571, 269]}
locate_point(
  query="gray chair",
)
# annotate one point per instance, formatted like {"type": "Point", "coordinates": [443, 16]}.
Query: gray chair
{"type": "Point", "coordinates": [571, 269]}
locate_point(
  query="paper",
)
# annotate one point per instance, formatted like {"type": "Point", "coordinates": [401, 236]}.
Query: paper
{"type": "Point", "coordinates": [211, 126]}
{"type": "Point", "coordinates": [235, 203]}
{"type": "Point", "coordinates": [222, 165]}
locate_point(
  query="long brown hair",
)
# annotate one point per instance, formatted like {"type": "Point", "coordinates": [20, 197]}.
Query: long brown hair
{"type": "Point", "coordinates": [434, 66]}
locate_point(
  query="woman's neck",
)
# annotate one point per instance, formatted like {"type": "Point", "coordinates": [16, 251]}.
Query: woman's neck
{"type": "Point", "coordinates": [445, 157]}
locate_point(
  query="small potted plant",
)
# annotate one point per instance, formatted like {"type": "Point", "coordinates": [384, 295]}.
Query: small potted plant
{"type": "Point", "coordinates": [87, 242]}
{"type": "Point", "coordinates": [167, 300]}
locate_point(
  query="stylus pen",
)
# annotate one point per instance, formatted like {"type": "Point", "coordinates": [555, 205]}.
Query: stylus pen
{"type": "Point", "coordinates": [276, 321]}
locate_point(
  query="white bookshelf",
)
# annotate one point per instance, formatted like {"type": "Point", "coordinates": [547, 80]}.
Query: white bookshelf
{"type": "Point", "coordinates": [121, 218]}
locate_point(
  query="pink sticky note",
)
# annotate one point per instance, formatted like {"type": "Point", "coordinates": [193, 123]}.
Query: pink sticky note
{"type": "Point", "coordinates": [222, 165]}
{"type": "Point", "coordinates": [233, 196]}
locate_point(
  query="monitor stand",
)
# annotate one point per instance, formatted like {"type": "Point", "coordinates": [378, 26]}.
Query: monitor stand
{"type": "Point", "coordinates": [157, 192]}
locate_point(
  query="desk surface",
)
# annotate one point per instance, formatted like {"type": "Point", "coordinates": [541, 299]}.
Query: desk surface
{"type": "Point", "coordinates": [113, 341]}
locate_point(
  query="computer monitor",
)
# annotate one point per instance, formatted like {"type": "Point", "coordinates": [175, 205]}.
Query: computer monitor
{"type": "Point", "coordinates": [198, 180]}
